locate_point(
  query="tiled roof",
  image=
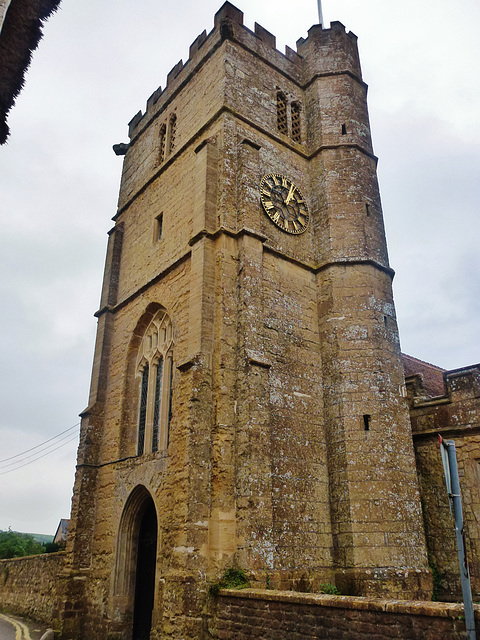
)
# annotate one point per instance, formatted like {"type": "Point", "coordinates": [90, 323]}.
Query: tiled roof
{"type": "Point", "coordinates": [432, 375]}
{"type": "Point", "coordinates": [62, 531]}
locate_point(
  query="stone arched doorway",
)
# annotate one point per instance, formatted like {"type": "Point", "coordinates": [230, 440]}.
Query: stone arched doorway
{"type": "Point", "coordinates": [145, 574]}
{"type": "Point", "coordinates": [134, 584]}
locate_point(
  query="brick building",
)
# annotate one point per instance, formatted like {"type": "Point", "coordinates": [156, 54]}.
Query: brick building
{"type": "Point", "coordinates": [248, 404]}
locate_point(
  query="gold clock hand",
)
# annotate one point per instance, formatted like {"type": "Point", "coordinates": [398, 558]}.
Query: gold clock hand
{"type": "Point", "coordinates": [290, 194]}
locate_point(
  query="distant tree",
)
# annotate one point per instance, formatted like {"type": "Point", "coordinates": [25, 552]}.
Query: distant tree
{"type": "Point", "coordinates": [52, 547]}
{"type": "Point", "coordinates": [16, 545]}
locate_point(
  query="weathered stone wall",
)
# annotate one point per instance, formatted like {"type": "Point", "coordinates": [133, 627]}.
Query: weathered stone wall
{"type": "Point", "coordinates": [34, 587]}
{"type": "Point", "coordinates": [455, 416]}
{"type": "Point", "coordinates": [277, 615]}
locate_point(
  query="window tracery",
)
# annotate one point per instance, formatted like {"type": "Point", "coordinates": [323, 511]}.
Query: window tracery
{"type": "Point", "coordinates": [154, 369]}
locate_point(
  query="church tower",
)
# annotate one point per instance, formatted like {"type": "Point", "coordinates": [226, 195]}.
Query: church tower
{"type": "Point", "coordinates": [247, 405]}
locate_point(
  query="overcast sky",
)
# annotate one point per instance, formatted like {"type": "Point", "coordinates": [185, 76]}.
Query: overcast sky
{"type": "Point", "coordinates": [98, 63]}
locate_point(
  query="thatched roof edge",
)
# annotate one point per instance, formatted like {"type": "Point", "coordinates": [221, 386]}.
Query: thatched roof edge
{"type": "Point", "coordinates": [47, 7]}
{"type": "Point", "coordinates": [19, 37]}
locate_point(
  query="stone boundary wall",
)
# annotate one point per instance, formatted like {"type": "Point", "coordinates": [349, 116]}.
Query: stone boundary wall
{"type": "Point", "coordinates": [286, 615]}
{"type": "Point", "coordinates": [33, 587]}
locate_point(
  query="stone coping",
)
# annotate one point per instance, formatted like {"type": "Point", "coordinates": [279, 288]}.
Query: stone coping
{"type": "Point", "coordinates": [360, 603]}
{"type": "Point", "coordinates": [40, 556]}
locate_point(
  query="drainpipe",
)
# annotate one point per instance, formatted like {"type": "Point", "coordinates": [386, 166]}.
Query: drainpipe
{"type": "Point", "coordinates": [450, 467]}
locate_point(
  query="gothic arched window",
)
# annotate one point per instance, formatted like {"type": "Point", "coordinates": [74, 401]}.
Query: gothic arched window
{"type": "Point", "coordinates": [154, 370]}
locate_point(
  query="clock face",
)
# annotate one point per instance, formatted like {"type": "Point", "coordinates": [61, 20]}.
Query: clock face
{"type": "Point", "coordinates": [283, 203]}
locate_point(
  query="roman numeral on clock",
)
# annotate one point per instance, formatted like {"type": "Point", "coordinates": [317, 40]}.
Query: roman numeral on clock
{"type": "Point", "coordinates": [283, 203]}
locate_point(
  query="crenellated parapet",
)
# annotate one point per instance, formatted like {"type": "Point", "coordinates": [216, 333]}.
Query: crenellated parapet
{"type": "Point", "coordinates": [330, 51]}
{"type": "Point", "coordinates": [324, 52]}
{"type": "Point", "coordinates": [456, 410]}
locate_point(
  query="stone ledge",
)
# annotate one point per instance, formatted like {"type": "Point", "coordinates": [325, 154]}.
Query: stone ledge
{"type": "Point", "coordinates": [358, 603]}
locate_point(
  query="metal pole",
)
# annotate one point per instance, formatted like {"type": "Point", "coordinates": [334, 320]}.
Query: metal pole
{"type": "Point", "coordinates": [462, 558]}
{"type": "Point", "coordinates": [320, 14]}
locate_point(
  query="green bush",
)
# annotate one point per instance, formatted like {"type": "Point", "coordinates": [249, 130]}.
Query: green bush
{"type": "Point", "coordinates": [17, 545]}
{"type": "Point", "coordinates": [233, 578]}
{"type": "Point", "coordinates": [330, 589]}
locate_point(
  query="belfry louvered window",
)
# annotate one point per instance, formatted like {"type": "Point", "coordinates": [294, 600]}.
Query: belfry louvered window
{"type": "Point", "coordinates": [282, 123]}
{"type": "Point", "coordinates": [172, 132]}
{"type": "Point", "coordinates": [161, 143]}
{"type": "Point", "coordinates": [289, 117]}
{"type": "Point", "coordinates": [155, 372]}
{"type": "Point", "coordinates": [296, 124]}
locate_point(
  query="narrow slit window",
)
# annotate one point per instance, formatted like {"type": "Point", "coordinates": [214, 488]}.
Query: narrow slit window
{"type": "Point", "coordinates": [161, 143]}
{"type": "Point", "coordinates": [173, 133]}
{"type": "Point", "coordinates": [142, 418]}
{"type": "Point", "coordinates": [366, 422]}
{"type": "Point", "coordinates": [157, 405]}
{"type": "Point", "coordinates": [367, 207]}
{"type": "Point", "coordinates": [296, 123]}
{"type": "Point", "coordinates": [282, 124]}
{"type": "Point", "coordinates": [344, 129]}
{"type": "Point", "coordinates": [159, 227]}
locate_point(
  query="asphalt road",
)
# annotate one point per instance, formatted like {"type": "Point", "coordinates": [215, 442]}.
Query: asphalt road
{"type": "Point", "coordinates": [15, 628]}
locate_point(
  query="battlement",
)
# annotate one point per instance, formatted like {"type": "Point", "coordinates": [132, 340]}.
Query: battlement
{"type": "Point", "coordinates": [459, 384]}
{"type": "Point", "coordinates": [323, 51]}
{"type": "Point", "coordinates": [452, 414]}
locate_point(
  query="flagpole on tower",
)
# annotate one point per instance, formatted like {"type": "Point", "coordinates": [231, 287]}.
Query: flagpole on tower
{"type": "Point", "coordinates": [320, 14]}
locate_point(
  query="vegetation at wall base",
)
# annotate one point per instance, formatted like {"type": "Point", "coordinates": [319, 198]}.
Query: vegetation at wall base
{"type": "Point", "coordinates": [233, 578]}
{"type": "Point", "coordinates": [329, 589]}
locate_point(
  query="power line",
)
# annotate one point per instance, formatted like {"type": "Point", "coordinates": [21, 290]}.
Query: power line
{"type": "Point", "coordinates": [2, 473]}
{"type": "Point", "coordinates": [38, 446]}
{"type": "Point", "coordinates": [40, 449]}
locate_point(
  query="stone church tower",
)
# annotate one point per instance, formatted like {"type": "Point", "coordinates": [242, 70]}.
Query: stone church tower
{"type": "Point", "coordinates": [247, 405]}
